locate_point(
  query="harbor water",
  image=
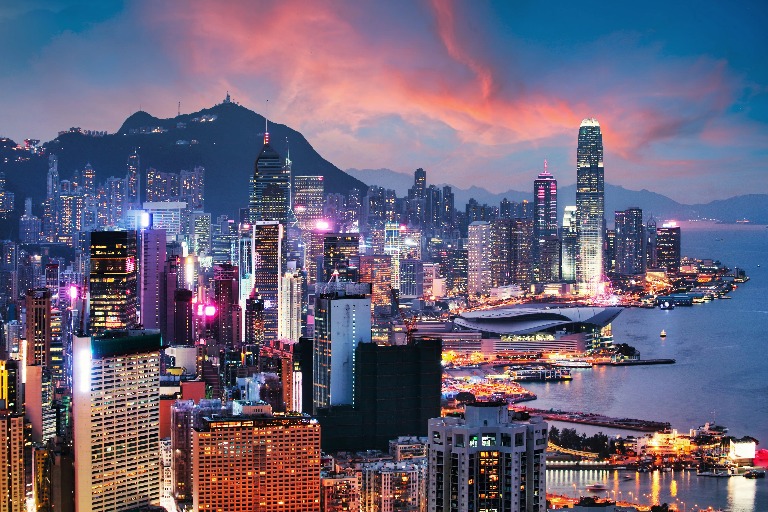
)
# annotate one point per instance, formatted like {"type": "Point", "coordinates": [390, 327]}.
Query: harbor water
{"type": "Point", "coordinates": [721, 373]}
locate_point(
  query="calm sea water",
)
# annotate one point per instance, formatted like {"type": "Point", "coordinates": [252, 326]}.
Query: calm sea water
{"type": "Point", "coordinates": [721, 348]}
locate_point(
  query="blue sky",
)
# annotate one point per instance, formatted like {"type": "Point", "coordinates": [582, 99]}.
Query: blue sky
{"type": "Point", "coordinates": [475, 93]}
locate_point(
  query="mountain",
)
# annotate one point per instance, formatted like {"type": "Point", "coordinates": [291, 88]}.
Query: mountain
{"type": "Point", "coordinates": [225, 139]}
{"type": "Point", "coordinates": [750, 206]}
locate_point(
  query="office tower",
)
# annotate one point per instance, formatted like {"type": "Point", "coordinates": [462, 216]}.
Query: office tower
{"type": "Point", "coordinates": [498, 252]}
{"type": "Point", "coordinates": [458, 265]}
{"type": "Point", "coordinates": [10, 386]}
{"type": "Point", "coordinates": [376, 269]}
{"type": "Point", "coordinates": [254, 331]}
{"type": "Point", "coordinates": [51, 205]}
{"type": "Point", "coordinates": [668, 247]}
{"type": "Point", "coordinates": [651, 259]}
{"type": "Point", "coordinates": [116, 200]}
{"type": "Point", "coordinates": [182, 319]}
{"type": "Point", "coordinates": [132, 179]}
{"type": "Point", "coordinates": [308, 200]}
{"type": "Point", "coordinates": [166, 215]}
{"type": "Point", "coordinates": [270, 187]}
{"type": "Point", "coordinates": [341, 257]}
{"type": "Point", "coordinates": [569, 246]}
{"type": "Point", "coordinates": [192, 187]}
{"type": "Point", "coordinates": [448, 210]}
{"type": "Point", "coordinates": [152, 265]}
{"type": "Point", "coordinates": [182, 413]}
{"type": "Point", "coordinates": [313, 252]}
{"type": "Point", "coordinates": [393, 247]}
{"type": "Point", "coordinates": [225, 298]}
{"type": "Point", "coordinates": [479, 269]}
{"type": "Point", "coordinates": [12, 483]}
{"type": "Point", "coordinates": [112, 281]}
{"type": "Point", "coordinates": [38, 326]}
{"type": "Point", "coordinates": [487, 461]}
{"type": "Point", "coordinates": [277, 469]}
{"type": "Point", "coordinates": [116, 414]}
{"type": "Point", "coordinates": [392, 485]}
{"type": "Point", "coordinates": [609, 251]}
{"type": "Point", "coordinates": [521, 266]}
{"type": "Point", "coordinates": [279, 357]}
{"type": "Point", "coordinates": [289, 311]}
{"type": "Point", "coordinates": [339, 492]}
{"type": "Point", "coordinates": [546, 250]}
{"type": "Point", "coordinates": [411, 278]}
{"type": "Point", "coordinates": [55, 363]}
{"type": "Point", "coordinates": [267, 269]}
{"type": "Point", "coordinates": [590, 207]}
{"type": "Point", "coordinates": [630, 250]}
{"type": "Point", "coordinates": [200, 229]}
{"type": "Point", "coordinates": [29, 225]}
{"type": "Point", "coordinates": [342, 320]}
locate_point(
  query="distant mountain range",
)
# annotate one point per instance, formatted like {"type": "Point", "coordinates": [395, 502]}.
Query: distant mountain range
{"type": "Point", "coordinates": [225, 139]}
{"type": "Point", "coordinates": [751, 206]}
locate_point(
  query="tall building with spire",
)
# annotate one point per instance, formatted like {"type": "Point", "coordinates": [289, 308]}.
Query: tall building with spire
{"type": "Point", "coordinates": [590, 206]}
{"type": "Point", "coordinates": [546, 253]}
{"type": "Point", "coordinates": [270, 187]}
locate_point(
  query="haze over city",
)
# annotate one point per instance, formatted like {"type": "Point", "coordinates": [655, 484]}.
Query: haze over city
{"type": "Point", "coordinates": [472, 93]}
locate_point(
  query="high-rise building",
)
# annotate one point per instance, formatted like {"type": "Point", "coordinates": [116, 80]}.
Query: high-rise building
{"type": "Point", "coordinates": [200, 229]}
{"type": "Point", "coordinates": [342, 321]}
{"type": "Point", "coordinates": [10, 386]}
{"type": "Point", "coordinates": [487, 461]}
{"type": "Point", "coordinates": [521, 266]}
{"type": "Point", "coordinates": [12, 477]}
{"type": "Point", "coordinates": [651, 259]}
{"type": "Point", "coordinates": [30, 226]}
{"type": "Point", "coordinates": [308, 200]}
{"type": "Point", "coordinates": [546, 267]}
{"type": "Point", "coordinates": [479, 275]}
{"type": "Point", "coordinates": [116, 414]}
{"type": "Point", "coordinates": [590, 207]}
{"type": "Point", "coordinates": [668, 247]}
{"type": "Point", "coordinates": [112, 281]}
{"type": "Point", "coordinates": [132, 180]}
{"type": "Point", "coordinates": [569, 244]}
{"type": "Point", "coordinates": [392, 485]}
{"type": "Point", "coordinates": [116, 200]}
{"type": "Point", "coordinates": [270, 187]}
{"type": "Point", "coordinates": [411, 278]}
{"type": "Point", "coordinates": [341, 257]}
{"type": "Point", "coordinates": [499, 252]}
{"type": "Point", "coordinates": [225, 298]}
{"type": "Point", "coordinates": [609, 251]}
{"type": "Point", "coordinates": [267, 269]}
{"type": "Point", "coordinates": [339, 492]}
{"type": "Point", "coordinates": [393, 247]}
{"type": "Point", "coordinates": [630, 249]}
{"type": "Point", "coordinates": [289, 313]}
{"type": "Point", "coordinates": [38, 326]}
{"type": "Point", "coordinates": [376, 269]}
{"type": "Point", "coordinates": [192, 187]}
{"type": "Point", "coordinates": [276, 464]}
{"type": "Point", "coordinates": [152, 264]}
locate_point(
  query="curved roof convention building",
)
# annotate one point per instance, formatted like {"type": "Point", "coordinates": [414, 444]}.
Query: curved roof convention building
{"type": "Point", "coordinates": [533, 318]}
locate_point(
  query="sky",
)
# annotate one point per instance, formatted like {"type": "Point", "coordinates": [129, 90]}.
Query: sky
{"type": "Point", "coordinates": [476, 93]}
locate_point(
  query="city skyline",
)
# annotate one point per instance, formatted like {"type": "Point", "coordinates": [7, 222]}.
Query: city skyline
{"type": "Point", "coordinates": [678, 106]}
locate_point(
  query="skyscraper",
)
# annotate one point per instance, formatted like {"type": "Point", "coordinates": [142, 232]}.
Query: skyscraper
{"type": "Point", "coordinates": [308, 200]}
{"type": "Point", "coordinates": [12, 485]}
{"type": "Point", "coordinates": [270, 187]}
{"type": "Point", "coordinates": [267, 269]}
{"type": "Point", "coordinates": [590, 206]}
{"type": "Point", "coordinates": [487, 461]}
{"type": "Point", "coordinates": [668, 247]}
{"type": "Point", "coordinates": [479, 276]}
{"type": "Point", "coordinates": [112, 280]}
{"type": "Point", "coordinates": [341, 256]}
{"type": "Point", "coordinates": [276, 464]}
{"type": "Point", "coordinates": [290, 305]}
{"type": "Point", "coordinates": [545, 246]}
{"type": "Point", "coordinates": [152, 263]}
{"type": "Point", "coordinates": [569, 245]}
{"type": "Point", "coordinates": [132, 179]}
{"type": "Point", "coordinates": [116, 414]}
{"type": "Point", "coordinates": [630, 251]}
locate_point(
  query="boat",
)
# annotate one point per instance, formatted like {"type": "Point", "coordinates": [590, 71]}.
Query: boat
{"type": "Point", "coordinates": [755, 473]}
{"type": "Point", "coordinates": [627, 478]}
{"type": "Point", "coordinates": [597, 487]}
{"type": "Point", "coordinates": [715, 473]}
{"type": "Point", "coordinates": [663, 333]}
{"type": "Point", "coordinates": [572, 363]}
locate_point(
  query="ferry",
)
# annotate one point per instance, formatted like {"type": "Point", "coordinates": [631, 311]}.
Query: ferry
{"type": "Point", "coordinates": [598, 487]}
{"type": "Point", "coordinates": [663, 333]}
{"type": "Point", "coordinates": [755, 473]}
{"type": "Point", "coordinates": [572, 363]}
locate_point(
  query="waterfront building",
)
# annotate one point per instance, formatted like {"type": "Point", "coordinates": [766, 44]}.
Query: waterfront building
{"type": "Point", "coordinates": [488, 460]}
{"type": "Point", "coordinates": [630, 249]}
{"type": "Point", "coordinates": [479, 270]}
{"type": "Point", "coordinates": [277, 465]}
{"type": "Point", "coordinates": [116, 415]}
{"type": "Point", "coordinates": [112, 282]}
{"type": "Point", "coordinates": [342, 321]}
{"type": "Point", "coordinates": [668, 247]}
{"type": "Point", "coordinates": [12, 478]}
{"type": "Point", "coordinates": [590, 206]}
{"type": "Point", "coordinates": [545, 253]}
